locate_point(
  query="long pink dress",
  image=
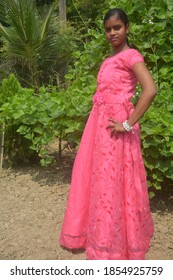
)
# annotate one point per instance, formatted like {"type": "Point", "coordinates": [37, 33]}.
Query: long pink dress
{"type": "Point", "coordinates": [108, 210]}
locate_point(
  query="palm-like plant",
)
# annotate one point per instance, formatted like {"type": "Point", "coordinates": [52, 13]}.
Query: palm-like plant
{"type": "Point", "coordinates": [33, 46]}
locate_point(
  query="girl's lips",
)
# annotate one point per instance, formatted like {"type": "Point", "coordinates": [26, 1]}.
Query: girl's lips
{"type": "Point", "coordinates": [113, 39]}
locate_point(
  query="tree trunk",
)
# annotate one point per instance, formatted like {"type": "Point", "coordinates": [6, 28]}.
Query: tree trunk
{"type": "Point", "coordinates": [63, 25]}
{"type": "Point", "coordinates": [2, 145]}
{"type": "Point", "coordinates": [62, 13]}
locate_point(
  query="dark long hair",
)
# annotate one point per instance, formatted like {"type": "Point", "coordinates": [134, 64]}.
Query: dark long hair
{"type": "Point", "coordinates": [119, 13]}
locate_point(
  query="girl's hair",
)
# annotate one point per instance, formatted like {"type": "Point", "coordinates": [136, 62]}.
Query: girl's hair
{"type": "Point", "coordinates": [119, 13]}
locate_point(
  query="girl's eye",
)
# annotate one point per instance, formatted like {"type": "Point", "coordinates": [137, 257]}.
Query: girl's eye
{"type": "Point", "coordinates": [116, 28]}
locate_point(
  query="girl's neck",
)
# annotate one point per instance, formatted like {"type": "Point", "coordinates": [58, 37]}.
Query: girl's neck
{"type": "Point", "coordinates": [121, 48]}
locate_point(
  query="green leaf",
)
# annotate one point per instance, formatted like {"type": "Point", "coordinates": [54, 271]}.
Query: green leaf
{"type": "Point", "coordinates": [18, 114]}
{"type": "Point", "coordinates": [164, 71]}
{"type": "Point", "coordinates": [170, 107]}
{"type": "Point", "coordinates": [38, 130]}
{"type": "Point", "coordinates": [151, 195]}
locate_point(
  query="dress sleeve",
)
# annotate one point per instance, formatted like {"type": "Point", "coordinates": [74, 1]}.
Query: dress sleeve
{"type": "Point", "coordinates": [134, 57]}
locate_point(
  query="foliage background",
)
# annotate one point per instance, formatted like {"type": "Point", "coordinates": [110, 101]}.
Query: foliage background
{"type": "Point", "coordinates": [34, 118]}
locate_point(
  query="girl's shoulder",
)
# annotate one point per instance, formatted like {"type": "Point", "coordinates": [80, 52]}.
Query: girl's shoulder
{"type": "Point", "coordinates": [127, 54]}
{"type": "Point", "coordinates": [131, 57]}
{"type": "Point", "coordinates": [132, 51]}
{"type": "Point", "coordinates": [128, 58]}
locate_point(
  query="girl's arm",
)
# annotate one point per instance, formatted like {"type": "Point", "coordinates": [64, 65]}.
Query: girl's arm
{"type": "Point", "coordinates": [149, 91]}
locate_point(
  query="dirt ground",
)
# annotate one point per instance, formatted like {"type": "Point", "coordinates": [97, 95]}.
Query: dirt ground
{"type": "Point", "coordinates": [32, 205]}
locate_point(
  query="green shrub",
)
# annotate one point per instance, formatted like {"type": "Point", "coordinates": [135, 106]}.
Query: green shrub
{"type": "Point", "coordinates": [32, 120]}
{"type": "Point", "coordinates": [40, 118]}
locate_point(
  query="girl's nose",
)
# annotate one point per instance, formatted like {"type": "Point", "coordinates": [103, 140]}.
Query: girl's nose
{"type": "Point", "coordinates": [112, 31]}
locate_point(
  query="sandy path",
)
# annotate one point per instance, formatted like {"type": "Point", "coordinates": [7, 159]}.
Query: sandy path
{"type": "Point", "coordinates": [32, 204]}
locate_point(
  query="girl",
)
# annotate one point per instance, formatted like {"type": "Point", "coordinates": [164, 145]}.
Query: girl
{"type": "Point", "coordinates": [108, 210]}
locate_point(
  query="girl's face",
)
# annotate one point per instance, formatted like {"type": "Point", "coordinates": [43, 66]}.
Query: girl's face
{"type": "Point", "coordinates": [116, 32]}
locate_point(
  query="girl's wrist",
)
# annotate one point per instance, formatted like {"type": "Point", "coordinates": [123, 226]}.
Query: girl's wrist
{"type": "Point", "coordinates": [126, 126]}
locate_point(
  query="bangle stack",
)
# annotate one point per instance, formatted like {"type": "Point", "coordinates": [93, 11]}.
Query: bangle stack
{"type": "Point", "coordinates": [126, 126]}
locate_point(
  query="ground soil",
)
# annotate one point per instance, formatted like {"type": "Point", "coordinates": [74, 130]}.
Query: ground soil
{"type": "Point", "coordinates": [32, 205]}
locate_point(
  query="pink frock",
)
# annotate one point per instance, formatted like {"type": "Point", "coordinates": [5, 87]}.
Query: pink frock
{"type": "Point", "coordinates": [108, 210]}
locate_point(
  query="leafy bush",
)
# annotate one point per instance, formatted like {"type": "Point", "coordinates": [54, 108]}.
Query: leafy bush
{"type": "Point", "coordinates": [152, 33]}
{"type": "Point", "coordinates": [39, 118]}
{"type": "Point", "coordinates": [34, 120]}
{"type": "Point", "coordinates": [16, 146]}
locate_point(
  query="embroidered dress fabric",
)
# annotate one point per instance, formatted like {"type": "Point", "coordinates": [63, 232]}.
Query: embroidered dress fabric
{"type": "Point", "coordinates": [108, 211]}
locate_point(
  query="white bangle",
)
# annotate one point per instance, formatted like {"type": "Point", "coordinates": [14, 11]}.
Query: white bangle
{"type": "Point", "coordinates": [126, 126]}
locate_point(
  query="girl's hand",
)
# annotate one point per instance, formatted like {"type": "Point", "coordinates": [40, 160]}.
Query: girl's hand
{"type": "Point", "coordinates": [115, 127]}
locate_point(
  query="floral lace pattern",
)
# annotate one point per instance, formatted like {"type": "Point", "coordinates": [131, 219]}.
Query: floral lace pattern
{"type": "Point", "coordinates": [98, 98]}
{"type": "Point", "coordinates": [108, 210]}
